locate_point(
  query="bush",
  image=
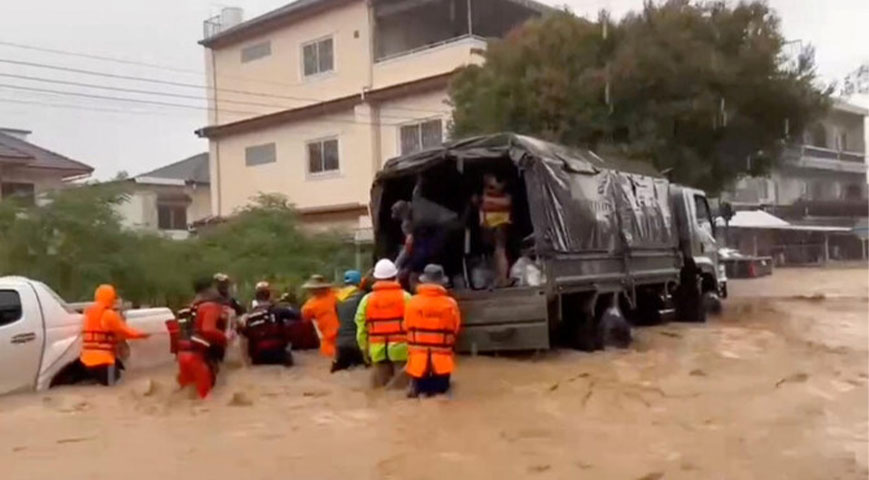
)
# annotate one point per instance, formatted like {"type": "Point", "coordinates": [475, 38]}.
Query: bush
{"type": "Point", "coordinates": [75, 241]}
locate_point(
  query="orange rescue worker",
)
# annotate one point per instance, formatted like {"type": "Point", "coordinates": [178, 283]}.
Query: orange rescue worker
{"type": "Point", "coordinates": [432, 321]}
{"type": "Point", "coordinates": [202, 345]}
{"type": "Point", "coordinates": [103, 330]}
{"type": "Point", "coordinates": [379, 330]}
{"type": "Point", "coordinates": [322, 309]}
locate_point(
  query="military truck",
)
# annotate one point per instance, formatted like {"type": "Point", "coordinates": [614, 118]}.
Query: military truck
{"type": "Point", "coordinates": [607, 233]}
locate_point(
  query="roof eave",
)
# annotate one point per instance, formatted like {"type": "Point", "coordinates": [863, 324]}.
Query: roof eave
{"type": "Point", "coordinates": [265, 23]}
{"type": "Point", "coordinates": [324, 108]}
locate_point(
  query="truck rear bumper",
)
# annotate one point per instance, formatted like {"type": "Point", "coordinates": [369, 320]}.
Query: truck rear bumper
{"type": "Point", "coordinates": [508, 319]}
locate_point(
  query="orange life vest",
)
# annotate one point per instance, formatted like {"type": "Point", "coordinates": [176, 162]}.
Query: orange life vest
{"type": "Point", "coordinates": [95, 336]}
{"type": "Point", "coordinates": [385, 313]}
{"type": "Point", "coordinates": [432, 321]}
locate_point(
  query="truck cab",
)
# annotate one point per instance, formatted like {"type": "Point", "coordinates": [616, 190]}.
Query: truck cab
{"type": "Point", "coordinates": [697, 237]}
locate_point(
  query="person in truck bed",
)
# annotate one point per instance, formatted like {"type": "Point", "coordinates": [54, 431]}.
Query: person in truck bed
{"type": "Point", "coordinates": [496, 206]}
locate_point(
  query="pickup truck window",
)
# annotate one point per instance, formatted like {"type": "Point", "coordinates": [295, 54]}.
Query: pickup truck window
{"type": "Point", "coordinates": [10, 307]}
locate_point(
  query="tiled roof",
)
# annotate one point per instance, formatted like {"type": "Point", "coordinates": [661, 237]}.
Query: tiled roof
{"type": "Point", "coordinates": [193, 169]}
{"type": "Point", "coordinates": [34, 156]}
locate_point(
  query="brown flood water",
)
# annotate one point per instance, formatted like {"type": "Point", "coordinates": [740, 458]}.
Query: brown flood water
{"type": "Point", "coordinates": [776, 388]}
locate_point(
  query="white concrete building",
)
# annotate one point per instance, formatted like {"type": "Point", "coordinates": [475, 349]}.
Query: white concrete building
{"type": "Point", "coordinates": [169, 199]}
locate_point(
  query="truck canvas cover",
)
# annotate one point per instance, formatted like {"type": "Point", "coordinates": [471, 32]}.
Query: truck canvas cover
{"type": "Point", "coordinates": [579, 201]}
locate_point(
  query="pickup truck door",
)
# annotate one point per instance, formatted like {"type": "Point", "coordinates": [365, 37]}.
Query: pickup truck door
{"type": "Point", "coordinates": [21, 338]}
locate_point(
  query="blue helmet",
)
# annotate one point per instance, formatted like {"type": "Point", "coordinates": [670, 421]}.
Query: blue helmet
{"type": "Point", "coordinates": [352, 277]}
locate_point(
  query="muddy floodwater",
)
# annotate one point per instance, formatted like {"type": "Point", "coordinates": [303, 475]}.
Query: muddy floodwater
{"type": "Point", "coordinates": [775, 388]}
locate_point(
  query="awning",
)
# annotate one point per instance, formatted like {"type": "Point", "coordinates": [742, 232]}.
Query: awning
{"type": "Point", "coordinates": [760, 220]}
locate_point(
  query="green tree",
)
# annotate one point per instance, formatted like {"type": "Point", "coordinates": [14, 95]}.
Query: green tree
{"type": "Point", "coordinates": [699, 88]}
{"type": "Point", "coordinates": [75, 242]}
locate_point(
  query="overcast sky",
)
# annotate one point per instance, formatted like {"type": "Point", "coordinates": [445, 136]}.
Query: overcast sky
{"type": "Point", "coordinates": [118, 136]}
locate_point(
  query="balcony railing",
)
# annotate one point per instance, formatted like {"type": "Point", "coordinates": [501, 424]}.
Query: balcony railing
{"type": "Point", "coordinates": [828, 153]}
{"type": "Point", "coordinates": [432, 46]}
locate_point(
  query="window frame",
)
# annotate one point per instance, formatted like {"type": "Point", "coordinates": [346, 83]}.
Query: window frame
{"type": "Point", "coordinates": [31, 199]}
{"type": "Point", "coordinates": [323, 173]}
{"type": "Point", "coordinates": [274, 146]}
{"type": "Point", "coordinates": [702, 200]}
{"type": "Point", "coordinates": [418, 124]}
{"type": "Point", "coordinates": [241, 51]}
{"type": "Point", "coordinates": [173, 207]}
{"type": "Point", "coordinates": [319, 74]}
{"type": "Point", "coordinates": [13, 321]}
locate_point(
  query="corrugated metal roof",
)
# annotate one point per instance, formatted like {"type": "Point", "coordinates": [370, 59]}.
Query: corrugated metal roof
{"type": "Point", "coordinates": [37, 157]}
{"type": "Point", "coordinates": [193, 169]}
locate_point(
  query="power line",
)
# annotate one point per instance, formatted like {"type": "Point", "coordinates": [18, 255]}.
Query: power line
{"type": "Point", "coordinates": [153, 92]}
{"type": "Point", "coordinates": [82, 107]}
{"type": "Point", "coordinates": [188, 71]}
{"type": "Point", "coordinates": [99, 57]}
{"type": "Point", "coordinates": [117, 99]}
{"type": "Point", "coordinates": [174, 105]}
{"type": "Point", "coordinates": [129, 90]}
{"type": "Point", "coordinates": [173, 83]}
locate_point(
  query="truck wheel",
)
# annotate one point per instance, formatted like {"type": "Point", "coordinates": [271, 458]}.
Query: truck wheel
{"type": "Point", "coordinates": [711, 303]}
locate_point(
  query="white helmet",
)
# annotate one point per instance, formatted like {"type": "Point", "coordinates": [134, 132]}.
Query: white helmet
{"type": "Point", "coordinates": [385, 269]}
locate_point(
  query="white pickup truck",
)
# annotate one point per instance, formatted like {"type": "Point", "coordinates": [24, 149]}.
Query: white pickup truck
{"type": "Point", "coordinates": [40, 335]}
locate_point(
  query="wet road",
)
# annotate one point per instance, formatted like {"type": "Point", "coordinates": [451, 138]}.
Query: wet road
{"type": "Point", "coordinates": [776, 388]}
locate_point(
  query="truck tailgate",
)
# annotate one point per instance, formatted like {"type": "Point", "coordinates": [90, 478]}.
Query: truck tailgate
{"type": "Point", "coordinates": [503, 320]}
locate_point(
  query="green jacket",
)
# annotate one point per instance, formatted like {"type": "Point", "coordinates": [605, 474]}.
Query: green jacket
{"type": "Point", "coordinates": [377, 352]}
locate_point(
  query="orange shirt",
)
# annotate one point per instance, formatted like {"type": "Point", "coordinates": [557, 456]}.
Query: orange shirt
{"type": "Point", "coordinates": [322, 310]}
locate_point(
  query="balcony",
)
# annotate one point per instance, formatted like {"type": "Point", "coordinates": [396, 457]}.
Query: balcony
{"type": "Point", "coordinates": [420, 38]}
{"type": "Point", "coordinates": [808, 156]}
{"type": "Point", "coordinates": [428, 60]}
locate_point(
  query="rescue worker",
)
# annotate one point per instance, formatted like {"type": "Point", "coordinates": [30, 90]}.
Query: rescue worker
{"type": "Point", "coordinates": [379, 330]}
{"type": "Point", "coordinates": [432, 321]}
{"type": "Point", "coordinates": [265, 328]}
{"type": "Point", "coordinates": [202, 344]}
{"type": "Point", "coordinates": [321, 309]}
{"type": "Point", "coordinates": [347, 353]}
{"type": "Point", "coordinates": [103, 331]}
{"type": "Point", "coordinates": [223, 283]}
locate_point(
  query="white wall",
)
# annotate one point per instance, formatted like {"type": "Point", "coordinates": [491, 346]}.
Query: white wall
{"type": "Point", "coordinates": [140, 210]}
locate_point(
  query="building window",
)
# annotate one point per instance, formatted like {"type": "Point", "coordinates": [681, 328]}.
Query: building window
{"type": "Point", "coordinates": [318, 57]}
{"type": "Point", "coordinates": [171, 216]}
{"type": "Point", "coordinates": [420, 136]}
{"type": "Point", "coordinates": [23, 191]}
{"type": "Point", "coordinates": [323, 156]}
{"type": "Point", "coordinates": [255, 52]}
{"type": "Point", "coordinates": [260, 154]}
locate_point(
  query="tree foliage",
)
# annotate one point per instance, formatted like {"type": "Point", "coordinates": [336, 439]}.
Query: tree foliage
{"type": "Point", "coordinates": [75, 241]}
{"type": "Point", "coordinates": [700, 88]}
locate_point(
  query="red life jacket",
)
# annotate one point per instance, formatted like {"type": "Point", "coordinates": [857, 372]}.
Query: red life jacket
{"type": "Point", "coordinates": [263, 330]}
{"type": "Point", "coordinates": [186, 331]}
